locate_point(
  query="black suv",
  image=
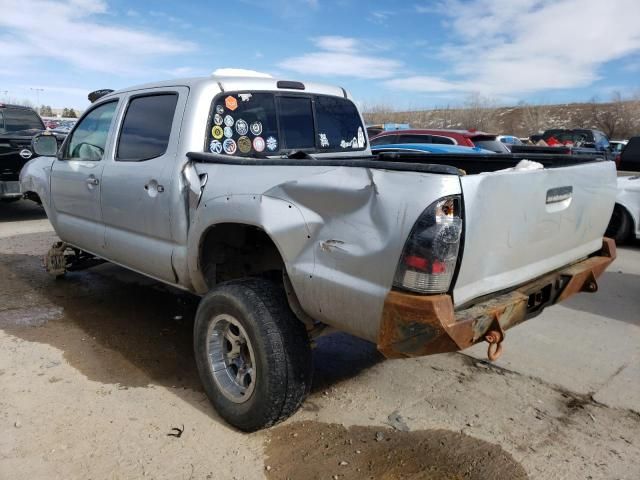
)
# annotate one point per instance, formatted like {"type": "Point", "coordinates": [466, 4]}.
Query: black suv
{"type": "Point", "coordinates": [17, 126]}
{"type": "Point", "coordinates": [630, 156]}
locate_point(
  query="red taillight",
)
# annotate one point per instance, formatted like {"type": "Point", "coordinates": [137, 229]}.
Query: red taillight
{"type": "Point", "coordinates": [418, 263]}
{"type": "Point", "coordinates": [617, 160]}
{"type": "Point", "coordinates": [429, 257]}
{"type": "Point", "coordinates": [438, 267]}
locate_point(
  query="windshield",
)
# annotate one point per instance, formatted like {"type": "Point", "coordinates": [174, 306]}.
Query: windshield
{"type": "Point", "coordinates": [16, 119]}
{"type": "Point", "coordinates": [263, 123]}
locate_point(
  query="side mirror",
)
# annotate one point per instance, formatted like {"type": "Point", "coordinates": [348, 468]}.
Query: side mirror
{"type": "Point", "coordinates": [44, 145]}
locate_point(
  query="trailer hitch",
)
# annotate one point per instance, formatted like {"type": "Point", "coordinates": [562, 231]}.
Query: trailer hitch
{"type": "Point", "coordinates": [494, 337]}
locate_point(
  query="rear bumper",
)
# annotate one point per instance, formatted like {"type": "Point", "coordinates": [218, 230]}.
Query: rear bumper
{"type": "Point", "coordinates": [416, 325]}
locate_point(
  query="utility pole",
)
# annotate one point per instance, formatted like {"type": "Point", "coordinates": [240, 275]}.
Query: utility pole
{"type": "Point", "coordinates": [38, 90]}
{"type": "Point", "coordinates": [4, 92]}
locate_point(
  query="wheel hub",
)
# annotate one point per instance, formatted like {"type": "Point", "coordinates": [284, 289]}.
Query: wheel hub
{"type": "Point", "coordinates": [231, 358]}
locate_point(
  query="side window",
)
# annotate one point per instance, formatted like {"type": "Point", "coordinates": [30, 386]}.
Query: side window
{"type": "Point", "coordinates": [146, 127]}
{"type": "Point", "coordinates": [88, 140]}
{"type": "Point", "coordinates": [414, 139]}
{"type": "Point", "coordinates": [384, 140]}
{"type": "Point", "coordinates": [442, 140]}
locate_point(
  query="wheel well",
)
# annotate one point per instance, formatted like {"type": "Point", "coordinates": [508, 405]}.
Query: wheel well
{"type": "Point", "coordinates": [230, 250]}
{"type": "Point", "coordinates": [626, 211]}
{"type": "Point", "coordinates": [33, 196]}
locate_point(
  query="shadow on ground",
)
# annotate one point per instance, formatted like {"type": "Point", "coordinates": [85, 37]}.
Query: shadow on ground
{"type": "Point", "coordinates": [624, 287]}
{"type": "Point", "coordinates": [321, 450]}
{"type": "Point", "coordinates": [118, 327]}
{"type": "Point", "coordinates": [21, 210]}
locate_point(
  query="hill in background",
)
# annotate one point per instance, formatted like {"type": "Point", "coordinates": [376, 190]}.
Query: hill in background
{"type": "Point", "coordinates": [618, 119]}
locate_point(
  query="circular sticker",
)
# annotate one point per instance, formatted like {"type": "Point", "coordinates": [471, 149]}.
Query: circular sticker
{"type": "Point", "coordinates": [241, 127]}
{"type": "Point", "coordinates": [229, 121]}
{"type": "Point", "coordinates": [219, 109]}
{"type": "Point", "coordinates": [256, 128]}
{"type": "Point", "coordinates": [217, 119]}
{"type": "Point", "coordinates": [217, 132]}
{"type": "Point", "coordinates": [229, 146]}
{"type": "Point", "coordinates": [258, 144]}
{"type": "Point", "coordinates": [272, 144]}
{"type": "Point", "coordinates": [228, 132]}
{"type": "Point", "coordinates": [215, 146]}
{"type": "Point", "coordinates": [244, 144]}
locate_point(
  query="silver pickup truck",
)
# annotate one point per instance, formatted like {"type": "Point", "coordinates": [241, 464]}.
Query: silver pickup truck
{"type": "Point", "coordinates": [262, 196]}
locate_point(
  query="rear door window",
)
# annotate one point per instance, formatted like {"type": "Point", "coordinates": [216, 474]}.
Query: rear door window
{"type": "Point", "coordinates": [146, 127]}
{"type": "Point", "coordinates": [384, 140]}
{"type": "Point", "coordinates": [266, 123]}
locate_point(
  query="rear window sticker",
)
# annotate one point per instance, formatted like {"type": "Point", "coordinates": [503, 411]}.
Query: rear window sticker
{"type": "Point", "coordinates": [353, 143]}
{"type": "Point", "coordinates": [229, 146]}
{"type": "Point", "coordinates": [219, 109]}
{"type": "Point", "coordinates": [228, 132]}
{"type": "Point", "coordinates": [215, 146]}
{"type": "Point", "coordinates": [244, 144]}
{"type": "Point", "coordinates": [245, 97]}
{"type": "Point", "coordinates": [217, 132]}
{"type": "Point", "coordinates": [272, 144]}
{"type": "Point", "coordinates": [229, 121]}
{"type": "Point", "coordinates": [231, 103]}
{"type": "Point", "coordinates": [324, 141]}
{"type": "Point", "coordinates": [256, 128]}
{"type": "Point", "coordinates": [361, 140]}
{"type": "Point", "coordinates": [258, 144]}
{"type": "Point", "coordinates": [241, 127]}
{"type": "Point", "coordinates": [217, 119]}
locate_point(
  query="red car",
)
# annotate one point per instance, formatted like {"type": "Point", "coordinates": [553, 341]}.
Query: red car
{"type": "Point", "coordinates": [466, 138]}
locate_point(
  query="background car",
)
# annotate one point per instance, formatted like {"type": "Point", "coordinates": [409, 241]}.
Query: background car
{"type": "Point", "coordinates": [429, 148]}
{"type": "Point", "coordinates": [630, 156]}
{"type": "Point", "coordinates": [465, 138]}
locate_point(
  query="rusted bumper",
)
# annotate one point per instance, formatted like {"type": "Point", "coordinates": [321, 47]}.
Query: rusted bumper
{"type": "Point", "coordinates": [416, 325]}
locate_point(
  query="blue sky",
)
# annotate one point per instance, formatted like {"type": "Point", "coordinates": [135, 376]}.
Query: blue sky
{"type": "Point", "coordinates": [397, 54]}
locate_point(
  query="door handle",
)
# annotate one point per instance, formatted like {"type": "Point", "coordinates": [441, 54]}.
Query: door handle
{"type": "Point", "coordinates": [92, 181]}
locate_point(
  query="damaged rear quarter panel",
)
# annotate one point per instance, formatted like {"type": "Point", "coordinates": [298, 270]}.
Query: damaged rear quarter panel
{"type": "Point", "coordinates": [340, 230]}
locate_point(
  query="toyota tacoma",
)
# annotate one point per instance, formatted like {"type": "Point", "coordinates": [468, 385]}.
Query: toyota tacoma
{"type": "Point", "coordinates": [262, 197]}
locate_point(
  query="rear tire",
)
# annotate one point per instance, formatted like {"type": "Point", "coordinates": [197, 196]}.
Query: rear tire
{"type": "Point", "coordinates": [620, 225]}
{"type": "Point", "coordinates": [252, 353]}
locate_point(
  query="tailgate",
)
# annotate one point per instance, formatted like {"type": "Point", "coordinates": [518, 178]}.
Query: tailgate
{"type": "Point", "coordinates": [522, 224]}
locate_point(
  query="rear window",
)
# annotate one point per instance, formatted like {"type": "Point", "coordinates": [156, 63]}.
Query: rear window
{"type": "Point", "coordinates": [16, 119]}
{"type": "Point", "coordinates": [264, 123]}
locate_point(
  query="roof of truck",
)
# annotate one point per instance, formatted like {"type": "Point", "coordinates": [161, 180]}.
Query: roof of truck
{"type": "Point", "coordinates": [232, 83]}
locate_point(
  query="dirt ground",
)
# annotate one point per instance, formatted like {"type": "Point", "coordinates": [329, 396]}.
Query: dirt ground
{"type": "Point", "coordinates": [96, 370]}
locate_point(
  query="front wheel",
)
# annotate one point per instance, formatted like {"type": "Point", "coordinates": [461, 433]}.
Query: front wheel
{"type": "Point", "coordinates": [252, 353]}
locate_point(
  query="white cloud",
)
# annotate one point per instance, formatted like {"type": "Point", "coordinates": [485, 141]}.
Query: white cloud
{"type": "Point", "coordinates": [340, 56]}
{"type": "Point", "coordinates": [71, 32]}
{"type": "Point", "coordinates": [522, 46]}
